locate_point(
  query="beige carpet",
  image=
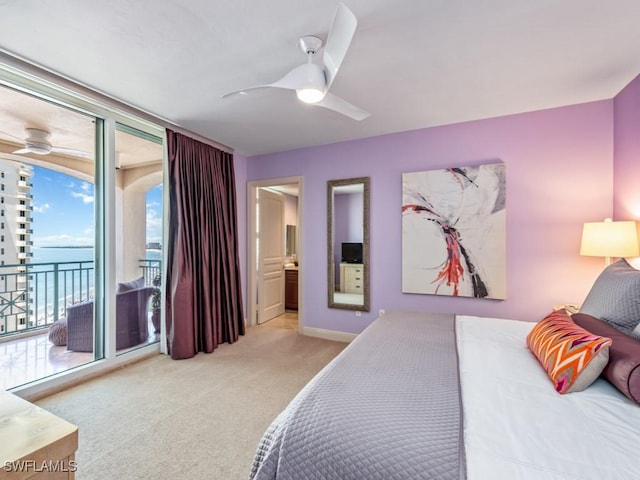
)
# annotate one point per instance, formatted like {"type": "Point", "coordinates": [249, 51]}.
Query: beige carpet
{"type": "Point", "coordinates": [191, 419]}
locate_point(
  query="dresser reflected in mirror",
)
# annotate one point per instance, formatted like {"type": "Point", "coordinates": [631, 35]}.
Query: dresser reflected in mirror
{"type": "Point", "coordinates": [348, 243]}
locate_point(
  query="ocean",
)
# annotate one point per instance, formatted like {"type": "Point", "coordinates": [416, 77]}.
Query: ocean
{"type": "Point", "coordinates": [61, 254]}
{"type": "Point", "coordinates": [74, 285]}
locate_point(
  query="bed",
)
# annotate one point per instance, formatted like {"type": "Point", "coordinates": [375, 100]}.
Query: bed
{"type": "Point", "coordinates": [420, 395]}
{"type": "Point", "coordinates": [518, 427]}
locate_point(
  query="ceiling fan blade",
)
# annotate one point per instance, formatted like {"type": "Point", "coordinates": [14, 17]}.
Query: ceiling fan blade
{"type": "Point", "coordinates": [244, 90]}
{"type": "Point", "coordinates": [21, 140]}
{"type": "Point", "coordinates": [72, 152]}
{"type": "Point", "coordinates": [343, 26]}
{"type": "Point", "coordinates": [335, 103]}
{"type": "Point", "coordinates": [302, 76]}
{"type": "Point", "coordinates": [291, 81]}
{"type": "Point", "coordinates": [22, 150]}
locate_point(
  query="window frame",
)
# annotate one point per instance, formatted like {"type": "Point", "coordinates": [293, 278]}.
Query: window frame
{"type": "Point", "coordinates": [30, 80]}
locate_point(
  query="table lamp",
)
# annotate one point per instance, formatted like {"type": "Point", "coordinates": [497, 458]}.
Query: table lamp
{"type": "Point", "coordinates": [610, 239]}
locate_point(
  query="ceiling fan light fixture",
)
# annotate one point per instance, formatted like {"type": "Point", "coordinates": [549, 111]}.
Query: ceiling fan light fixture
{"type": "Point", "coordinates": [40, 148]}
{"type": "Point", "coordinates": [310, 95]}
{"type": "Point", "coordinates": [312, 81]}
{"type": "Point", "coordinates": [311, 86]}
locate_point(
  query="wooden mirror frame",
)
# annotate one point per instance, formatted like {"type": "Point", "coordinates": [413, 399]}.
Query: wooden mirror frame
{"type": "Point", "coordinates": [332, 303]}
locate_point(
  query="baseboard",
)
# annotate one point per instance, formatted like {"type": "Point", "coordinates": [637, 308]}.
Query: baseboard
{"type": "Point", "coordinates": [334, 335]}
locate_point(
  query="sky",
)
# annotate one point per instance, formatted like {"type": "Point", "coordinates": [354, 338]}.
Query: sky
{"type": "Point", "coordinates": [63, 210]}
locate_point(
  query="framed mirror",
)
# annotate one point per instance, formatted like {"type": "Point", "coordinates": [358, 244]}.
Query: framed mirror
{"type": "Point", "coordinates": [290, 241]}
{"type": "Point", "coordinates": [348, 243]}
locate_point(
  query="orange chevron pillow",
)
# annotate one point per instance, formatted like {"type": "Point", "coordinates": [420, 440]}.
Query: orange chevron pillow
{"type": "Point", "coordinates": [572, 357]}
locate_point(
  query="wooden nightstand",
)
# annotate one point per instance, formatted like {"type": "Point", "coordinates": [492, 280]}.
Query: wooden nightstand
{"type": "Point", "coordinates": [570, 308]}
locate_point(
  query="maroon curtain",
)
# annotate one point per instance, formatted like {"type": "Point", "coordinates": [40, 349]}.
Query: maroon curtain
{"type": "Point", "coordinates": [204, 297]}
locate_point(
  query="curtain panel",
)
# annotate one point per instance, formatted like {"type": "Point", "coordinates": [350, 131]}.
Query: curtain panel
{"type": "Point", "coordinates": [204, 296]}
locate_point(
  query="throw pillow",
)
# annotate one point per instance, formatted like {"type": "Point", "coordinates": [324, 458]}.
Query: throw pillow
{"type": "Point", "coordinates": [623, 369]}
{"type": "Point", "coordinates": [572, 357]}
{"type": "Point", "coordinates": [614, 298]}
{"type": "Point", "coordinates": [58, 332]}
{"type": "Point", "coordinates": [132, 285]}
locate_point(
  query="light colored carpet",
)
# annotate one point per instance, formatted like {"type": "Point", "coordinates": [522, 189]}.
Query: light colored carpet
{"type": "Point", "coordinates": [190, 419]}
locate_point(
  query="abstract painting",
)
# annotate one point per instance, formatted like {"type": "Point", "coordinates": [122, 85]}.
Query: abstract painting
{"type": "Point", "coordinates": [453, 231]}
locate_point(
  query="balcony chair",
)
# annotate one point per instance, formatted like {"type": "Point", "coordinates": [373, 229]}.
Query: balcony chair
{"type": "Point", "coordinates": [132, 321]}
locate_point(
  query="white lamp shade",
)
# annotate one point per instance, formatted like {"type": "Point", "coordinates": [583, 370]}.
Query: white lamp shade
{"type": "Point", "coordinates": [310, 83]}
{"type": "Point", "coordinates": [610, 239]}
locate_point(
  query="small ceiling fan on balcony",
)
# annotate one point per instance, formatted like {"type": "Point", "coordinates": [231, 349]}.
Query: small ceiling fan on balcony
{"type": "Point", "coordinates": [312, 81]}
{"type": "Point", "coordinates": [37, 141]}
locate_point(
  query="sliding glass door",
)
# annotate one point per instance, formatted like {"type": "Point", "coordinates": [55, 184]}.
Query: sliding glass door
{"type": "Point", "coordinates": [138, 249]}
{"type": "Point", "coordinates": [80, 233]}
{"type": "Point", "coordinates": [47, 231]}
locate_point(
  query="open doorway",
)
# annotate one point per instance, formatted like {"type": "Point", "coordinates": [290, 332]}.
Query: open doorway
{"type": "Point", "coordinates": [275, 273]}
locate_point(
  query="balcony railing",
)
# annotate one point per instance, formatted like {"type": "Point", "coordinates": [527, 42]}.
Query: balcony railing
{"type": "Point", "coordinates": [150, 270]}
{"type": "Point", "coordinates": [35, 295]}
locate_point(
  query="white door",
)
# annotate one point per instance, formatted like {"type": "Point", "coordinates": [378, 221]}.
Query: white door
{"type": "Point", "coordinates": [270, 238]}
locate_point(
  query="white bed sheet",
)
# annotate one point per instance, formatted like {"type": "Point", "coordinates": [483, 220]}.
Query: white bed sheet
{"type": "Point", "coordinates": [516, 427]}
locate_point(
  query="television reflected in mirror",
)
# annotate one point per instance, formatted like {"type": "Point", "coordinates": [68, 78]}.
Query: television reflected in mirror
{"type": "Point", "coordinates": [351, 252]}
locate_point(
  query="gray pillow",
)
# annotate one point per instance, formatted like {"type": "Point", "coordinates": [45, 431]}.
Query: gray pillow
{"type": "Point", "coordinates": [132, 285]}
{"type": "Point", "coordinates": [615, 297]}
{"type": "Point", "coordinates": [58, 332]}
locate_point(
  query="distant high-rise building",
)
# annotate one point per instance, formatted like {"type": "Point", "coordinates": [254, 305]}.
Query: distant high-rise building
{"type": "Point", "coordinates": [15, 243]}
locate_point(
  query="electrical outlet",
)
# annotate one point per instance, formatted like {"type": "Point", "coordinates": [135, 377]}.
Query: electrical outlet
{"type": "Point", "coordinates": [381, 312]}
{"type": "Point", "coordinates": [358, 313]}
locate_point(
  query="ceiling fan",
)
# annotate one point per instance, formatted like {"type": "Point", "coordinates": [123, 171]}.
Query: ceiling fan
{"type": "Point", "coordinates": [37, 142]}
{"type": "Point", "coordinates": [312, 81]}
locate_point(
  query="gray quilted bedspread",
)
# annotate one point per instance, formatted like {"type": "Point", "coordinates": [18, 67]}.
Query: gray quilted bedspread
{"type": "Point", "coordinates": [388, 407]}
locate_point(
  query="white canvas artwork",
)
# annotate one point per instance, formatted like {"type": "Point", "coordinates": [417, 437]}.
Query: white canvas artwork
{"type": "Point", "coordinates": [453, 232]}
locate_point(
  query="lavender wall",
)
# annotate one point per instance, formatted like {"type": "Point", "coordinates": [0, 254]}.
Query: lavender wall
{"type": "Point", "coordinates": [559, 166]}
{"type": "Point", "coordinates": [626, 196]}
{"type": "Point", "coordinates": [240, 171]}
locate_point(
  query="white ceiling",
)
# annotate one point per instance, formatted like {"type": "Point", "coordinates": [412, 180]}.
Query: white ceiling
{"type": "Point", "coordinates": [412, 63]}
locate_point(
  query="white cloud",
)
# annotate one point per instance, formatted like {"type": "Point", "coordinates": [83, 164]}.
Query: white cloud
{"type": "Point", "coordinates": [52, 238]}
{"type": "Point", "coordinates": [154, 226]}
{"type": "Point", "coordinates": [62, 240]}
{"type": "Point", "coordinates": [154, 221]}
{"type": "Point", "coordinates": [41, 208]}
{"type": "Point", "coordinates": [85, 193]}
{"type": "Point", "coordinates": [85, 198]}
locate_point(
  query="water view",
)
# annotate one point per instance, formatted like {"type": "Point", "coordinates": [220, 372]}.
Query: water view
{"type": "Point", "coordinates": [61, 276]}
{"type": "Point", "coordinates": [46, 232]}
{"type": "Point", "coordinates": [74, 254]}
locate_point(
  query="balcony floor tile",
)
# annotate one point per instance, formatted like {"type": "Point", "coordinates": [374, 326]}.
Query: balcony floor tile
{"type": "Point", "coordinates": [31, 358]}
